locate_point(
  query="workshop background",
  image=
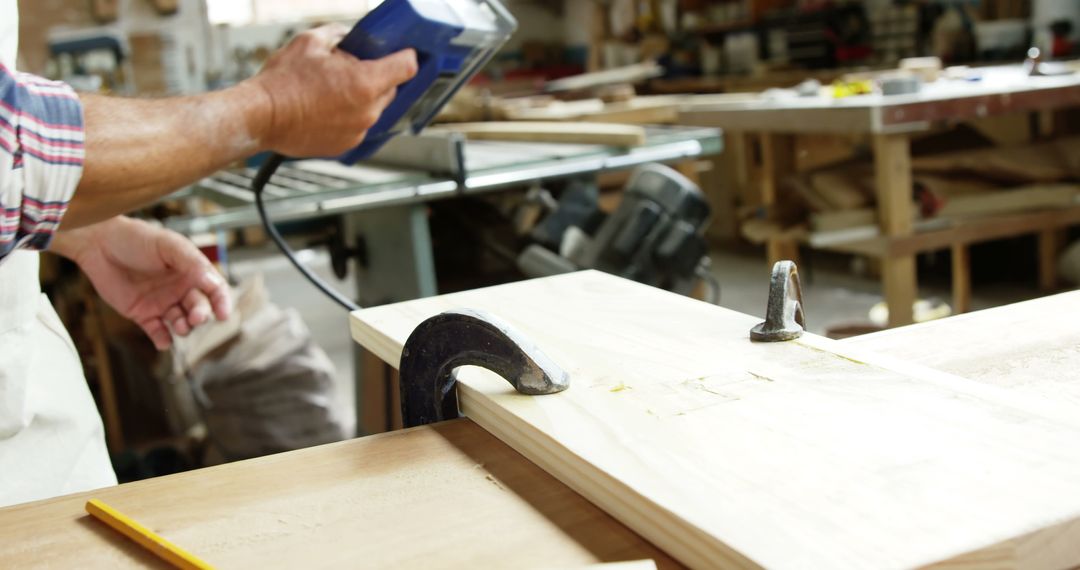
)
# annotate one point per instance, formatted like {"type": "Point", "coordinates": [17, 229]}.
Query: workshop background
{"type": "Point", "coordinates": [973, 193]}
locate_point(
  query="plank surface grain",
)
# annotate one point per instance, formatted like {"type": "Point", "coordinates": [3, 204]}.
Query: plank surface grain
{"type": "Point", "coordinates": [1029, 348]}
{"type": "Point", "coordinates": [807, 454]}
{"type": "Point", "coordinates": [451, 496]}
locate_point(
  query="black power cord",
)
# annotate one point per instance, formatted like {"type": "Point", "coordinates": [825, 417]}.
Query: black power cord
{"type": "Point", "coordinates": [258, 184]}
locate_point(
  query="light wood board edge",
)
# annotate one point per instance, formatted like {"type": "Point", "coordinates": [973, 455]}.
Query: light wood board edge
{"type": "Point", "coordinates": [606, 492]}
{"type": "Point", "coordinates": [1048, 547]}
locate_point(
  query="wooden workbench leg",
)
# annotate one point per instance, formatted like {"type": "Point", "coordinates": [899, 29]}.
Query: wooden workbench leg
{"type": "Point", "coordinates": [961, 279]}
{"type": "Point", "coordinates": [892, 165]}
{"type": "Point", "coordinates": [782, 249]}
{"type": "Point", "coordinates": [898, 282]}
{"type": "Point", "coordinates": [380, 399]}
{"type": "Point", "coordinates": [777, 162]}
{"type": "Point", "coordinates": [399, 265]}
{"type": "Point", "coordinates": [1049, 248]}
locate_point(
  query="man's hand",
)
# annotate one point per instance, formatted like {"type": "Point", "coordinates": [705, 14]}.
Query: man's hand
{"type": "Point", "coordinates": [153, 276]}
{"type": "Point", "coordinates": [324, 100]}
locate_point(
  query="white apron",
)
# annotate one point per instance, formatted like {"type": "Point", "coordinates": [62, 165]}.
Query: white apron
{"type": "Point", "coordinates": [51, 439]}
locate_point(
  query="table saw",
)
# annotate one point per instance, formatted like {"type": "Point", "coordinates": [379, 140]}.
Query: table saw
{"type": "Point", "coordinates": [679, 440]}
{"type": "Point", "coordinates": [384, 204]}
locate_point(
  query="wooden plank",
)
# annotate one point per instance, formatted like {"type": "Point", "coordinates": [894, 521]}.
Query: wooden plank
{"type": "Point", "coordinates": [530, 109]}
{"type": "Point", "coordinates": [628, 74]}
{"type": "Point", "coordinates": [1024, 199]}
{"type": "Point", "coordinates": [449, 496]}
{"type": "Point", "coordinates": [967, 232]}
{"type": "Point", "coordinates": [1030, 348]}
{"type": "Point", "coordinates": [553, 132]}
{"type": "Point", "coordinates": [842, 220]}
{"type": "Point", "coordinates": [747, 116]}
{"type": "Point", "coordinates": [647, 110]}
{"type": "Point", "coordinates": [1017, 165]}
{"type": "Point", "coordinates": [805, 454]}
{"type": "Point", "coordinates": [841, 188]}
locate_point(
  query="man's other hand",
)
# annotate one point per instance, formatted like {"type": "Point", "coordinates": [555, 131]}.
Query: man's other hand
{"type": "Point", "coordinates": [321, 100]}
{"type": "Point", "coordinates": [153, 276]}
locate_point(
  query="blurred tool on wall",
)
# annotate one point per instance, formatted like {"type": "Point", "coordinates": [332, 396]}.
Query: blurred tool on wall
{"type": "Point", "coordinates": [95, 60]}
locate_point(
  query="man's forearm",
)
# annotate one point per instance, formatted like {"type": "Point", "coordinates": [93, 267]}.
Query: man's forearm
{"type": "Point", "coordinates": [72, 242]}
{"type": "Point", "coordinates": [138, 150]}
{"type": "Point", "coordinates": [308, 100]}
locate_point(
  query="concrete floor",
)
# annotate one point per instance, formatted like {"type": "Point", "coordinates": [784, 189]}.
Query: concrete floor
{"type": "Point", "coordinates": [833, 294]}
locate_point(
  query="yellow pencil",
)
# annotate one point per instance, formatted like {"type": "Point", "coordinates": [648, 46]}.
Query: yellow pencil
{"type": "Point", "coordinates": [145, 537]}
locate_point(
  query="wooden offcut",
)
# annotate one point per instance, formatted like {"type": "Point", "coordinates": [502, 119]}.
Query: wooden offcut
{"type": "Point", "coordinates": [806, 454]}
{"type": "Point", "coordinates": [1024, 199]}
{"type": "Point", "coordinates": [553, 132]}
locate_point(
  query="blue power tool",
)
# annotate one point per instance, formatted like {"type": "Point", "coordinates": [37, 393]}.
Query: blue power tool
{"type": "Point", "coordinates": [453, 40]}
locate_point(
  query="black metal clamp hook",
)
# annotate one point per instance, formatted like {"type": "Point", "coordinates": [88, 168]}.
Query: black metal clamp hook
{"type": "Point", "coordinates": [466, 337]}
{"type": "Point", "coordinates": [784, 318]}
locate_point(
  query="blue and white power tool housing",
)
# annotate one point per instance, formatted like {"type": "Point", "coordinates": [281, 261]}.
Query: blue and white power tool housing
{"type": "Point", "coordinates": [453, 40]}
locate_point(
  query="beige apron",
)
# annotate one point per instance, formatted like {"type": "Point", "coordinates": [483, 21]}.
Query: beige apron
{"type": "Point", "coordinates": [51, 439]}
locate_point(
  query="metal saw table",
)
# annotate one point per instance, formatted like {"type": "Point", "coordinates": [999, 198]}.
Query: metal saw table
{"type": "Point", "coordinates": [387, 205]}
{"type": "Point", "coordinates": [317, 188]}
{"type": "Point", "coordinates": [451, 495]}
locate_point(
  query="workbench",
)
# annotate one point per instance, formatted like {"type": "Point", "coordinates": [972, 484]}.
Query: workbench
{"type": "Point", "coordinates": [891, 121]}
{"type": "Point", "coordinates": [451, 495]}
{"type": "Point", "coordinates": [386, 208]}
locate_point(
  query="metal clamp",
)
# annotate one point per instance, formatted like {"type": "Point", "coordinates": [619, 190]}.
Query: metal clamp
{"type": "Point", "coordinates": [468, 338]}
{"type": "Point", "coordinates": [784, 318]}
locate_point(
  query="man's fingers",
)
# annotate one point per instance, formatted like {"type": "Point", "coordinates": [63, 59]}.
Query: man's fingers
{"type": "Point", "coordinates": [189, 261]}
{"type": "Point", "coordinates": [178, 252]}
{"type": "Point", "coordinates": [393, 70]}
{"type": "Point", "coordinates": [158, 333]}
{"type": "Point", "coordinates": [330, 34]}
{"type": "Point", "coordinates": [176, 319]}
{"type": "Point", "coordinates": [214, 287]}
{"type": "Point", "coordinates": [197, 307]}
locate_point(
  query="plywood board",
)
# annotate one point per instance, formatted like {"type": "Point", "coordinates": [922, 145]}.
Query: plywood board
{"type": "Point", "coordinates": [806, 454]}
{"type": "Point", "coordinates": [451, 496]}
{"type": "Point", "coordinates": [1031, 347]}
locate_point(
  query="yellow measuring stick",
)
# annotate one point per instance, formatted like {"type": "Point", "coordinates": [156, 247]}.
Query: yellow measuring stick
{"type": "Point", "coordinates": [145, 537]}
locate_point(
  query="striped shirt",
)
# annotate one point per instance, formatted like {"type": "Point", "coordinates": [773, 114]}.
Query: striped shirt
{"type": "Point", "coordinates": [41, 157]}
